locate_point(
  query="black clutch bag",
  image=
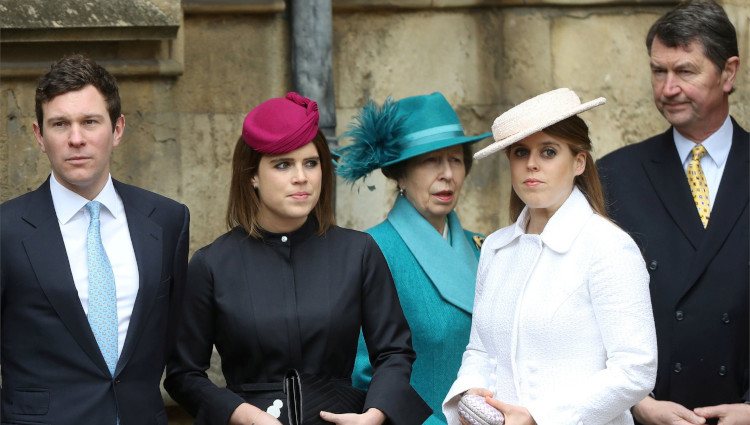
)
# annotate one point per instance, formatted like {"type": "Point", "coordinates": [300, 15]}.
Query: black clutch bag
{"type": "Point", "coordinates": [299, 398]}
{"type": "Point", "coordinates": [307, 395]}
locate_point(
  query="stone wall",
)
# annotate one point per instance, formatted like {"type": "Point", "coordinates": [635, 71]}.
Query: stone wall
{"type": "Point", "coordinates": [486, 60]}
{"type": "Point", "coordinates": [484, 55]}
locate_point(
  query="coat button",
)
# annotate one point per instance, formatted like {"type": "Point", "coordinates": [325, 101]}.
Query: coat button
{"type": "Point", "coordinates": [117, 381]}
{"type": "Point", "coordinates": [722, 371]}
{"type": "Point", "coordinates": [725, 317]}
{"type": "Point", "coordinates": [677, 367]}
{"type": "Point", "coordinates": [284, 239]}
{"type": "Point", "coordinates": [653, 265]}
{"type": "Point", "coordinates": [679, 315]}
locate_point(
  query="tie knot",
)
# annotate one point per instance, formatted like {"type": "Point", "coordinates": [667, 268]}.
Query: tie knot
{"type": "Point", "coordinates": [93, 208]}
{"type": "Point", "coordinates": [698, 152]}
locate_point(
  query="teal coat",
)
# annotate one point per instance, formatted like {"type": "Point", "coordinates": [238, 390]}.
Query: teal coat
{"type": "Point", "coordinates": [435, 283]}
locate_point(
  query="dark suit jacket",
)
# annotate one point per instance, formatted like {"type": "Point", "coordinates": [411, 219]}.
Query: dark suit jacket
{"type": "Point", "coordinates": [52, 369]}
{"type": "Point", "coordinates": [699, 277]}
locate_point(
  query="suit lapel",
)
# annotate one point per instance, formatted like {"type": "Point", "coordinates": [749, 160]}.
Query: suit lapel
{"type": "Point", "coordinates": [146, 236]}
{"type": "Point", "coordinates": [664, 170]}
{"type": "Point", "coordinates": [731, 201]}
{"type": "Point", "coordinates": [46, 251]}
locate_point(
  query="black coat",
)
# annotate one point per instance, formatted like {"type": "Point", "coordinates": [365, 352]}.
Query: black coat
{"type": "Point", "coordinates": [52, 369]}
{"type": "Point", "coordinates": [291, 301]}
{"type": "Point", "coordinates": [699, 277]}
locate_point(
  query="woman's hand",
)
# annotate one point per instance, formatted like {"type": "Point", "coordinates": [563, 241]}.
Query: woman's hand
{"type": "Point", "coordinates": [247, 414]}
{"type": "Point", "coordinates": [476, 391]}
{"type": "Point", "coordinates": [372, 416]}
{"type": "Point", "coordinates": [514, 415]}
{"type": "Point", "coordinates": [480, 391]}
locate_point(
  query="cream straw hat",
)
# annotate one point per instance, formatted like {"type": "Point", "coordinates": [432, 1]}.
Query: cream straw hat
{"type": "Point", "coordinates": [535, 115]}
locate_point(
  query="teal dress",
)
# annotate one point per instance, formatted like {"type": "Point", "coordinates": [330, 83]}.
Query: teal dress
{"type": "Point", "coordinates": [435, 282]}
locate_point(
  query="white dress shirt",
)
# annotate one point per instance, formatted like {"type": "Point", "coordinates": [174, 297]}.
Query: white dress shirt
{"type": "Point", "coordinates": [717, 151]}
{"type": "Point", "coordinates": [74, 223]}
{"type": "Point", "coordinates": [562, 321]}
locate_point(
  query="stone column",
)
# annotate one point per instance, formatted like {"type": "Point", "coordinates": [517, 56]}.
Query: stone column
{"type": "Point", "coordinates": [312, 71]}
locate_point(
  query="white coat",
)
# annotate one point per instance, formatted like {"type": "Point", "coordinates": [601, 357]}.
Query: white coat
{"type": "Point", "coordinates": [562, 321]}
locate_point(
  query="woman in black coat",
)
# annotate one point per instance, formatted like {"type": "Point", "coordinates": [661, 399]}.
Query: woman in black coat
{"type": "Point", "coordinates": [285, 289]}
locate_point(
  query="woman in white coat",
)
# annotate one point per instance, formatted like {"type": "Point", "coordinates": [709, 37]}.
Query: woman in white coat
{"type": "Point", "coordinates": [563, 331]}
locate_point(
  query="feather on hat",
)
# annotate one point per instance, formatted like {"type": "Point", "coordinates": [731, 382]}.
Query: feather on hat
{"type": "Point", "coordinates": [397, 131]}
{"type": "Point", "coordinates": [374, 131]}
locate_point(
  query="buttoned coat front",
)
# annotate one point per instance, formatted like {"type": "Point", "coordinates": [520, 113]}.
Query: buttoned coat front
{"type": "Point", "coordinates": [699, 277]}
{"type": "Point", "coordinates": [562, 321]}
{"type": "Point", "coordinates": [294, 300]}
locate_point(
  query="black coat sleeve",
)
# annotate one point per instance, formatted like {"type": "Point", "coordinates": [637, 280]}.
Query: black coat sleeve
{"type": "Point", "coordinates": [187, 381]}
{"type": "Point", "coordinates": [388, 340]}
{"type": "Point", "coordinates": [179, 275]}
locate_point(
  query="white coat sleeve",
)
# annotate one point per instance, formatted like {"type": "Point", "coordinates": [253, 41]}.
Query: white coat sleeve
{"type": "Point", "coordinates": [618, 286]}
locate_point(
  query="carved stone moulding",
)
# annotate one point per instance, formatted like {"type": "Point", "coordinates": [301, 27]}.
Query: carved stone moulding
{"type": "Point", "coordinates": [129, 37]}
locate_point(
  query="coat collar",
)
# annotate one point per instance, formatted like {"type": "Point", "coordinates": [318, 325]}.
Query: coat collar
{"type": "Point", "coordinates": [146, 236]}
{"type": "Point", "coordinates": [663, 166]}
{"type": "Point", "coordinates": [731, 201]}
{"type": "Point", "coordinates": [308, 228]}
{"type": "Point", "coordinates": [450, 266]}
{"type": "Point", "coordinates": [561, 230]}
{"type": "Point", "coordinates": [46, 251]}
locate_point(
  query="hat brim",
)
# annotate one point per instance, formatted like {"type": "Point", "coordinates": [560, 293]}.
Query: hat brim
{"type": "Point", "coordinates": [434, 146]}
{"type": "Point", "coordinates": [541, 125]}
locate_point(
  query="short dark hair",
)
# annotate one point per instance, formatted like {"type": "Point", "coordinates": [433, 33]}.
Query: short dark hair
{"type": "Point", "coordinates": [244, 202]}
{"type": "Point", "coordinates": [72, 73]}
{"type": "Point", "coordinates": [398, 170]}
{"type": "Point", "coordinates": [703, 21]}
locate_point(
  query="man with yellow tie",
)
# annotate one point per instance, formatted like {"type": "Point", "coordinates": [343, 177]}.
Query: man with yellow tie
{"type": "Point", "coordinates": [683, 196]}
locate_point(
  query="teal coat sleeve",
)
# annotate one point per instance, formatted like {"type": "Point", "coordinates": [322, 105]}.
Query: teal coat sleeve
{"type": "Point", "coordinates": [362, 374]}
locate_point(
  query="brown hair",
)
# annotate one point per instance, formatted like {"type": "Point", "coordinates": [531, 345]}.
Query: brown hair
{"type": "Point", "coordinates": [398, 170]}
{"type": "Point", "coordinates": [575, 133]}
{"type": "Point", "coordinates": [244, 203]}
{"type": "Point", "coordinates": [73, 73]}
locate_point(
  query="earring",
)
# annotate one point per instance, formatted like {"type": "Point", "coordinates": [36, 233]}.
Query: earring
{"type": "Point", "coordinates": [401, 191]}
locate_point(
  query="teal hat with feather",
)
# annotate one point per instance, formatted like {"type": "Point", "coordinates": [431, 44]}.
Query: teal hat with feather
{"type": "Point", "coordinates": [398, 130]}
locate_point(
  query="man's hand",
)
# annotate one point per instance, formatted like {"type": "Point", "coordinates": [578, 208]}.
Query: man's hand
{"type": "Point", "coordinates": [657, 412]}
{"type": "Point", "coordinates": [514, 415]}
{"type": "Point", "coordinates": [728, 414]}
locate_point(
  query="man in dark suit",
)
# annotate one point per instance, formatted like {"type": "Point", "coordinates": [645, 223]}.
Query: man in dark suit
{"type": "Point", "coordinates": [91, 270]}
{"type": "Point", "coordinates": [683, 196]}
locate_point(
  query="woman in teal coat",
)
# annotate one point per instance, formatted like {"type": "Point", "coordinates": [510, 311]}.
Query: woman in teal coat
{"type": "Point", "coordinates": [419, 143]}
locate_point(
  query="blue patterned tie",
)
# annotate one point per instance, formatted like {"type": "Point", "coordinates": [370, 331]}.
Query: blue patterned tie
{"type": "Point", "coordinates": [102, 293]}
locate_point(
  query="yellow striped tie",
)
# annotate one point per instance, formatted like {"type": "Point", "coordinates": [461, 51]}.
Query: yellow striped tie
{"type": "Point", "coordinates": [698, 186]}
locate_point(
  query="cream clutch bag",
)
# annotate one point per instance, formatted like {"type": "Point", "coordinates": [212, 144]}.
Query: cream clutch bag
{"type": "Point", "coordinates": [476, 411]}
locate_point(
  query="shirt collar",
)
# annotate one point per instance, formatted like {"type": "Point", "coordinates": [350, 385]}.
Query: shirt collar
{"type": "Point", "coordinates": [447, 232]}
{"type": "Point", "coordinates": [67, 203]}
{"type": "Point", "coordinates": [717, 144]}
{"type": "Point", "coordinates": [561, 229]}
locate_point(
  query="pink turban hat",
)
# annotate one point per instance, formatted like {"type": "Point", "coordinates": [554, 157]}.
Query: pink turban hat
{"type": "Point", "coordinates": [281, 124]}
